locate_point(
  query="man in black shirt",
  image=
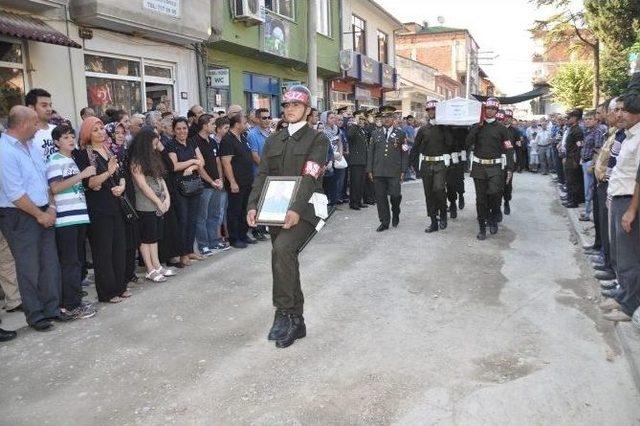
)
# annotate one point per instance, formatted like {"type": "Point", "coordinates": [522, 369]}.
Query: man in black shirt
{"type": "Point", "coordinates": [572, 166]}
{"type": "Point", "coordinates": [237, 163]}
{"type": "Point", "coordinates": [358, 146]}
{"type": "Point", "coordinates": [206, 224]}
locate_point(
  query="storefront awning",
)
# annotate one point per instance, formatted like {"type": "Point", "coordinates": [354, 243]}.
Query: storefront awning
{"type": "Point", "coordinates": [27, 27]}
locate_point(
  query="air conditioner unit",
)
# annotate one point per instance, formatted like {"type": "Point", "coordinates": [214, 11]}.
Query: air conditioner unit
{"type": "Point", "coordinates": [248, 11]}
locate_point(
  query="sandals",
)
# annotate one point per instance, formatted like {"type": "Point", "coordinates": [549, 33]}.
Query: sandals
{"type": "Point", "coordinates": [126, 294]}
{"type": "Point", "coordinates": [195, 257]}
{"type": "Point", "coordinates": [156, 276]}
{"type": "Point", "coordinates": [167, 272]}
{"type": "Point", "coordinates": [116, 299]}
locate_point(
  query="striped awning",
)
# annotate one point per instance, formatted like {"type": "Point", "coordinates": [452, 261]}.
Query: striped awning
{"type": "Point", "coordinates": [27, 27]}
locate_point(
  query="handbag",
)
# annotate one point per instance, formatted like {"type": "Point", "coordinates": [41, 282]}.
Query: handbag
{"type": "Point", "coordinates": [341, 163]}
{"type": "Point", "coordinates": [190, 185]}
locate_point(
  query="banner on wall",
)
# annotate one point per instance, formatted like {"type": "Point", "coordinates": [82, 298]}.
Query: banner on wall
{"type": "Point", "coordinates": [276, 36]}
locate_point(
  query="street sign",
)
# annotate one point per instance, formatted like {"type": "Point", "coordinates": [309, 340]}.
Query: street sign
{"type": "Point", "coordinates": [219, 77]}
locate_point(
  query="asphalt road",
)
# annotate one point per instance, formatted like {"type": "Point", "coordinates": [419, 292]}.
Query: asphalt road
{"type": "Point", "coordinates": [403, 328]}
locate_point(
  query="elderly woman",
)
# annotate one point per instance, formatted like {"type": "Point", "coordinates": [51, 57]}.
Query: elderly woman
{"type": "Point", "coordinates": [107, 228]}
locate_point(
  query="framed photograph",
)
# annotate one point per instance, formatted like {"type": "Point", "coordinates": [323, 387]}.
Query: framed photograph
{"type": "Point", "coordinates": [277, 196]}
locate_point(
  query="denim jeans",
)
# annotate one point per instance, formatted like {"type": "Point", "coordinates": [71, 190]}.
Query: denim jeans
{"type": "Point", "coordinates": [589, 182]}
{"type": "Point", "coordinates": [546, 164]}
{"type": "Point", "coordinates": [187, 209]}
{"type": "Point", "coordinates": [207, 225]}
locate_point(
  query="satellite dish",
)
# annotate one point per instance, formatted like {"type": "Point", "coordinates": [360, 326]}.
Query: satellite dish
{"type": "Point", "coordinates": [440, 20]}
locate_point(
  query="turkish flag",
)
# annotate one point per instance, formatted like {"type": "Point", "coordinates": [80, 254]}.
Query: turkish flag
{"type": "Point", "coordinates": [100, 94]}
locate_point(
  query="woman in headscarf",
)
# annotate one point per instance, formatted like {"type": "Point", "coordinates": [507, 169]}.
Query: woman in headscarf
{"type": "Point", "coordinates": [334, 182]}
{"type": "Point", "coordinates": [107, 228]}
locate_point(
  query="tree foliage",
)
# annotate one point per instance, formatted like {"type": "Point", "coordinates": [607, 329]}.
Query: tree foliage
{"type": "Point", "coordinates": [615, 22]}
{"type": "Point", "coordinates": [572, 86]}
{"type": "Point", "coordinates": [615, 72]}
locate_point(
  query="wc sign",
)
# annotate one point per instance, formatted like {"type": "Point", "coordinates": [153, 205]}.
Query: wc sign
{"type": "Point", "coordinates": [218, 77]}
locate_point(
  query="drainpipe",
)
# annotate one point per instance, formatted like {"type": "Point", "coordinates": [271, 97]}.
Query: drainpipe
{"type": "Point", "coordinates": [67, 17]}
{"type": "Point", "coordinates": [312, 53]}
{"type": "Point", "coordinates": [202, 79]}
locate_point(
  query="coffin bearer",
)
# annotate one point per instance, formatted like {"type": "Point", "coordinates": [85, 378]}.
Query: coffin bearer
{"type": "Point", "coordinates": [490, 144]}
{"type": "Point", "coordinates": [455, 172]}
{"type": "Point", "coordinates": [432, 152]}
{"type": "Point", "coordinates": [515, 137]}
{"type": "Point", "coordinates": [387, 160]}
{"type": "Point", "coordinates": [294, 149]}
{"type": "Point", "coordinates": [357, 140]}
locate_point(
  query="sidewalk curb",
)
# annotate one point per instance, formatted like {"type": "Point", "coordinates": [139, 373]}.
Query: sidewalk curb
{"type": "Point", "coordinates": [628, 336]}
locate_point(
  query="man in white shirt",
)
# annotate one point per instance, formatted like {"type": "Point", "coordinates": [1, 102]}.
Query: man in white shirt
{"type": "Point", "coordinates": [543, 141]}
{"type": "Point", "coordinates": [625, 246]}
{"type": "Point", "coordinates": [39, 100]}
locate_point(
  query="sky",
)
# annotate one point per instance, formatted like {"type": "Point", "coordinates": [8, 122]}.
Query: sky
{"type": "Point", "coordinates": [496, 25]}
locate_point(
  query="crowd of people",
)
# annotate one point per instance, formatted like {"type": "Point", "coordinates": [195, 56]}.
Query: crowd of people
{"type": "Point", "coordinates": [161, 191]}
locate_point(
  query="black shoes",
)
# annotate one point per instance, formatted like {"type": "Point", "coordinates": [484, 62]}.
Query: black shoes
{"type": "Point", "coordinates": [395, 220]}
{"type": "Point", "coordinates": [507, 208]}
{"type": "Point", "coordinates": [482, 234]}
{"type": "Point", "coordinates": [434, 225]}
{"type": "Point", "coordinates": [499, 215]}
{"type": "Point", "coordinates": [382, 227]}
{"type": "Point", "coordinates": [453, 211]}
{"type": "Point", "coordinates": [279, 326]}
{"type": "Point", "coordinates": [461, 202]}
{"type": "Point", "coordinates": [363, 206]}
{"type": "Point", "coordinates": [570, 205]}
{"type": "Point", "coordinates": [493, 227]}
{"type": "Point", "coordinates": [248, 240]}
{"type": "Point", "coordinates": [352, 207]}
{"type": "Point", "coordinates": [294, 329]}
{"type": "Point", "coordinates": [443, 219]}
{"type": "Point", "coordinates": [239, 244]}
{"type": "Point", "coordinates": [608, 285]}
{"type": "Point", "coordinates": [258, 235]}
{"type": "Point", "coordinates": [6, 335]}
{"type": "Point", "coordinates": [16, 309]}
{"type": "Point", "coordinates": [42, 325]}
{"type": "Point", "coordinates": [605, 275]}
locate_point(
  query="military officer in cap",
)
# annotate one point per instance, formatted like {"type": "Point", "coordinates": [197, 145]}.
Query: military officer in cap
{"type": "Point", "coordinates": [386, 162]}
{"type": "Point", "coordinates": [491, 145]}
{"type": "Point", "coordinates": [297, 150]}
{"type": "Point", "coordinates": [516, 138]}
{"type": "Point", "coordinates": [357, 159]}
{"type": "Point", "coordinates": [432, 154]}
{"type": "Point", "coordinates": [369, 196]}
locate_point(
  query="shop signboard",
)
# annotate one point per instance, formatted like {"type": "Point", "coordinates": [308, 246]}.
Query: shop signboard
{"type": "Point", "coordinates": [387, 76]}
{"type": "Point", "coordinates": [166, 7]}
{"type": "Point", "coordinates": [219, 77]}
{"type": "Point", "coordinates": [369, 70]}
{"type": "Point", "coordinates": [275, 35]}
{"type": "Point", "coordinates": [362, 94]}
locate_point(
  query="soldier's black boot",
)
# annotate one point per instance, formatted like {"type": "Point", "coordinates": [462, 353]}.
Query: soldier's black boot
{"type": "Point", "coordinates": [395, 210]}
{"type": "Point", "coordinates": [453, 210]}
{"type": "Point", "coordinates": [295, 330]}
{"type": "Point", "coordinates": [507, 208]}
{"type": "Point", "coordinates": [461, 202]}
{"type": "Point", "coordinates": [482, 234]}
{"type": "Point", "coordinates": [493, 226]}
{"type": "Point", "coordinates": [434, 225]}
{"type": "Point", "coordinates": [279, 325]}
{"type": "Point", "coordinates": [443, 219]}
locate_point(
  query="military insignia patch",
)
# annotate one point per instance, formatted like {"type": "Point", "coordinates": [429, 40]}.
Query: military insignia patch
{"type": "Point", "coordinates": [313, 169]}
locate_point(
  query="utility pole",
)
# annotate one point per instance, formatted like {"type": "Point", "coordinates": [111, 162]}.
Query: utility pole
{"type": "Point", "coordinates": [312, 58]}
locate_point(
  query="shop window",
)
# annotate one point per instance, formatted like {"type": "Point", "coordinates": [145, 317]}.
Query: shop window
{"type": "Point", "coordinates": [11, 78]}
{"type": "Point", "coordinates": [359, 31]}
{"type": "Point", "coordinates": [324, 17]}
{"type": "Point", "coordinates": [281, 7]}
{"type": "Point", "coordinates": [119, 83]}
{"type": "Point", "coordinates": [383, 47]}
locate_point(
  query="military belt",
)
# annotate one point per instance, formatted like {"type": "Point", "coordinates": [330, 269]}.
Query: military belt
{"type": "Point", "coordinates": [485, 162]}
{"type": "Point", "coordinates": [432, 159]}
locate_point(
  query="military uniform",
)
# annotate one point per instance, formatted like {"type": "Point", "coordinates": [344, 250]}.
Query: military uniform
{"type": "Point", "coordinates": [369, 196]}
{"type": "Point", "coordinates": [491, 145]}
{"type": "Point", "coordinates": [514, 137]}
{"type": "Point", "coordinates": [304, 153]}
{"type": "Point", "coordinates": [357, 159]}
{"type": "Point", "coordinates": [434, 144]}
{"type": "Point", "coordinates": [455, 172]}
{"type": "Point", "coordinates": [387, 160]}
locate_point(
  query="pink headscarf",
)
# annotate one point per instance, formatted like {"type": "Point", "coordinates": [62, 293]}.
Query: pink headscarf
{"type": "Point", "coordinates": [85, 130]}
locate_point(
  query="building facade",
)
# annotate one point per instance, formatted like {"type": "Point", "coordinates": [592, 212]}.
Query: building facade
{"type": "Point", "coordinates": [254, 54]}
{"type": "Point", "coordinates": [452, 51]}
{"type": "Point", "coordinates": [128, 54]}
{"type": "Point", "coordinates": [367, 57]}
{"type": "Point", "coordinates": [416, 86]}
